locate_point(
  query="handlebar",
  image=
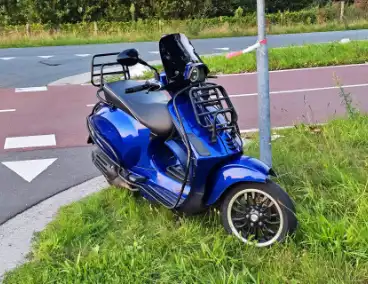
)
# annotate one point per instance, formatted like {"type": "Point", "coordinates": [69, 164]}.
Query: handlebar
{"type": "Point", "coordinates": [137, 88]}
{"type": "Point", "coordinates": [151, 84]}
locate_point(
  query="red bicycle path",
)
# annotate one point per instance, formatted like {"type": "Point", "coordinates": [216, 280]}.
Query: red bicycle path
{"type": "Point", "coordinates": [302, 95]}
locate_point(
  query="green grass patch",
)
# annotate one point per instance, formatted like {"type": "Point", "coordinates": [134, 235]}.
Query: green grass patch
{"type": "Point", "coordinates": [113, 237]}
{"type": "Point", "coordinates": [315, 55]}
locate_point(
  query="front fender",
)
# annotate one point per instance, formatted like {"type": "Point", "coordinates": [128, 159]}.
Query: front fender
{"type": "Point", "coordinates": [241, 169]}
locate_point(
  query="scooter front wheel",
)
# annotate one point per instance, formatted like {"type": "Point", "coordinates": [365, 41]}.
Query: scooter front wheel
{"type": "Point", "coordinates": [259, 214]}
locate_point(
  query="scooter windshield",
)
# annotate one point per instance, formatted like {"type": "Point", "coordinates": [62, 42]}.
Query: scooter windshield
{"type": "Point", "coordinates": [176, 52]}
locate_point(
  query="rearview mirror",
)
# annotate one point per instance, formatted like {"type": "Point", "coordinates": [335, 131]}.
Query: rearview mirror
{"type": "Point", "coordinates": [128, 57]}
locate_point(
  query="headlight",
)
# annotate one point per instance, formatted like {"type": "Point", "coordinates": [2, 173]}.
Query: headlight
{"type": "Point", "coordinates": [194, 75]}
{"type": "Point", "coordinates": [197, 74]}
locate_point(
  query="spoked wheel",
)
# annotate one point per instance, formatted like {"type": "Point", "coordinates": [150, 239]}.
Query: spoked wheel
{"type": "Point", "coordinates": [259, 213]}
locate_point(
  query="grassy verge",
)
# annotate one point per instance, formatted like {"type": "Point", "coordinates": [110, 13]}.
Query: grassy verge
{"type": "Point", "coordinates": [84, 33]}
{"type": "Point", "coordinates": [112, 237]}
{"type": "Point", "coordinates": [315, 55]}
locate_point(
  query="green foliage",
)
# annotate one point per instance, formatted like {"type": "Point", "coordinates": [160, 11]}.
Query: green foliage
{"type": "Point", "coordinates": [132, 12]}
{"type": "Point", "coordinates": [55, 12]}
{"type": "Point", "coordinates": [239, 12]}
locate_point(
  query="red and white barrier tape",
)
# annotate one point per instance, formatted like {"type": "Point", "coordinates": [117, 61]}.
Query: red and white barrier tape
{"type": "Point", "coordinates": [248, 49]}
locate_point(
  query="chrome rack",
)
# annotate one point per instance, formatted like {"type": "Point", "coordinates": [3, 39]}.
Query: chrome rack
{"type": "Point", "coordinates": [213, 109]}
{"type": "Point", "coordinates": [98, 69]}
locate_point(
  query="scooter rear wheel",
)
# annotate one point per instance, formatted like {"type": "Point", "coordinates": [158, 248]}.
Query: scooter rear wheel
{"type": "Point", "coordinates": [258, 214]}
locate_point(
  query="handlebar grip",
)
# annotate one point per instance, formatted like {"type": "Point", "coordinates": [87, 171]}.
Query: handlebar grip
{"type": "Point", "coordinates": [136, 88]}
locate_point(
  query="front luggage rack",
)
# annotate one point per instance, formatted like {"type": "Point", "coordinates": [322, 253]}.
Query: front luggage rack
{"type": "Point", "coordinates": [99, 69]}
{"type": "Point", "coordinates": [214, 110]}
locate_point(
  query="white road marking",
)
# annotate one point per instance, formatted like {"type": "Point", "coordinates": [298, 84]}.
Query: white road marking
{"type": "Point", "coordinates": [30, 141]}
{"type": "Point", "coordinates": [345, 40]}
{"type": "Point", "coordinates": [6, 110]}
{"type": "Point", "coordinates": [276, 136]}
{"type": "Point", "coordinates": [82, 55]}
{"type": "Point", "coordinates": [29, 169]}
{"type": "Point", "coordinates": [301, 90]}
{"type": "Point", "coordinates": [297, 69]}
{"type": "Point", "coordinates": [31, 89]}
{"type": "Point", "coordinates": [91, 105]}
{"type": "Point", "coordinates": [45, 56]}
{"type": "Point", "coordinates": [222, 48]}
{"type": "Point", "coordinates": [7, 58]}
{"type": "Point", "coordinates": [252, 130]}
{"type": "Point", "coordinates": [154, 52]}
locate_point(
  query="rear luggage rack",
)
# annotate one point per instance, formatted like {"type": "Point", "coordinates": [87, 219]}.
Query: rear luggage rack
{"type": "Point", "coordinates": [214, 110]}
{"type": "Point", "coordinates": [101, 71]}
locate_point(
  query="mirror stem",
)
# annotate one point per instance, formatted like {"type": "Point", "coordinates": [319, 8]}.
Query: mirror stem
{"type": "Point", "coordinates": [146, 64]}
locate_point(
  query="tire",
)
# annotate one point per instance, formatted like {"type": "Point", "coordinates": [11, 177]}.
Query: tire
{"type": "Point", "coordinates": [256, 218]}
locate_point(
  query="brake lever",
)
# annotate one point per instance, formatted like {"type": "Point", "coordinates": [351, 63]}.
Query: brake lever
{"type": "Point", "coordinates": [155, 84]}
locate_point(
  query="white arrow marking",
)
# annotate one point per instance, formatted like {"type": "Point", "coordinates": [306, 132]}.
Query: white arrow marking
{"type": "Point", "coordinates": [30, 169]}
{"type": "Point", "coordinates": [223, 48]}
{"type": "Point", "coordinates": [45, 56]}
{"type": "Point", "coordinates": [7, 58]}
{"type": "Point", "coordinates": [82, 55]}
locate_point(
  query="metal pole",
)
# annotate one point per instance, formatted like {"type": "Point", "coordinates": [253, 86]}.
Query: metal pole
{"type": "Point", "coordinates": [263, 88]}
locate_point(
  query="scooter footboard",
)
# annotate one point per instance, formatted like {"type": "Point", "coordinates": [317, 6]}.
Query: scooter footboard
{"type": "Point", "coordinates": [242, 169]}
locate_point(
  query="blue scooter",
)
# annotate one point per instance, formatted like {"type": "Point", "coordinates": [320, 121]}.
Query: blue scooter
{"type": "Point", "coordinates": [174, 139]}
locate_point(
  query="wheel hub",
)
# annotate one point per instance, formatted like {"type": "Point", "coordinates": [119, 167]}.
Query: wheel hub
{"type": "Point", "coordinates": [254, 218]}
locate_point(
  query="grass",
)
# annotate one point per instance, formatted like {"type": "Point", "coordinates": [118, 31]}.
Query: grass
{"type": "Point", "coordinates": [19, 38]}
{"type": "Point", "coordinates": [112, 237]}
{"type": "Point", "coordinates": [315, 55]}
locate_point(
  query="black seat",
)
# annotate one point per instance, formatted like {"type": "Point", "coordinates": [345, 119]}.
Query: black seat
{"type": "Point", "coordinates": [149, 109]}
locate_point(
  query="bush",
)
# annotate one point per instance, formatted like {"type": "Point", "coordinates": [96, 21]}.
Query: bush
{"type": "Point", "coordinates": [239, 12]}
{"type": "Point", "coordinates": [287, 18]}
{"type": "Point", "coordinates": [65, 11]}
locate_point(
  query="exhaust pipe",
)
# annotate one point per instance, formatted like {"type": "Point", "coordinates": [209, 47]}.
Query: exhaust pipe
{"type": "Point", "coordinates": [109, 170]}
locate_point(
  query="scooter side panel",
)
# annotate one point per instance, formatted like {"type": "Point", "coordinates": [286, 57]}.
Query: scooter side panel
{"type": "Point", "coordinates": [241, 169]}
{"type": "Point", "coordinates": [124, 134]}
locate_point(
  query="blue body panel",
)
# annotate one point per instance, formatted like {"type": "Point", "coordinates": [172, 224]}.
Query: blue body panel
{"type": "Point", "coordinates": [125, 135]}
{"type": "Point", "coordinates": [239, 169]}
{"type": "Point", "coordinates": [216, 165]}
{"type": "Point", "coordinates": [136, 152]}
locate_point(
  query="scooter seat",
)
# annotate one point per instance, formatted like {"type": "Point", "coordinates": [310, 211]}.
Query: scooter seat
{"type": "Point", "coordinates": [150, 109]}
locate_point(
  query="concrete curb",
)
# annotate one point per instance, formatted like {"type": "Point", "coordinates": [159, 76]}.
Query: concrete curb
{"type": "Point", "coordinates": [17, 233]}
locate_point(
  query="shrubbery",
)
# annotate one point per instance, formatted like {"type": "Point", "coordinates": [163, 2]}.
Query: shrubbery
{"type": "Point", "coordinates": [57, 12]}
{"type": "Point", "coordinates": [287, 18]}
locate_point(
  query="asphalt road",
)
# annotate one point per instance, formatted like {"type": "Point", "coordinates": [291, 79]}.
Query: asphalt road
{"type": "Point", "coordinates": [43, 135]}
{"type": "Point", "coordinates": [29, 67]}
{"type": "Point", "coordinates": [67, 168]}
